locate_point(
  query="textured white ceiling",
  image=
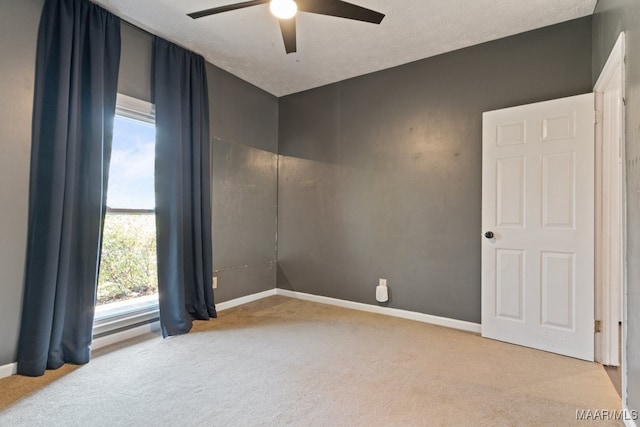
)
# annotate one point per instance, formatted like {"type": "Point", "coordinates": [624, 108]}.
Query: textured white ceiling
{"type": "Point", "coordinates": [248, 42]}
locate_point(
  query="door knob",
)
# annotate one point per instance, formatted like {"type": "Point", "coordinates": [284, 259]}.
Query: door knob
{"type": "Point", "coordinates": [489, 235]}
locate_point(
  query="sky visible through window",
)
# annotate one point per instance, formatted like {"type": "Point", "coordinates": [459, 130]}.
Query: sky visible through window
{"type": "Point", "coordinates": [132, 165]}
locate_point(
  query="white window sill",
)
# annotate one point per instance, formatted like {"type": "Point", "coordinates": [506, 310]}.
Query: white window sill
{"type": "Point", "coordinates": [119, 316]}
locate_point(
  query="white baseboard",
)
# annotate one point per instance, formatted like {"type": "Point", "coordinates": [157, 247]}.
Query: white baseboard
{"type": "Point", "coordinates": [395, 312]}
{"type": "Point", "coordinates": [8, 370]}
{"type": "Point", "coordinates": [244, 300]}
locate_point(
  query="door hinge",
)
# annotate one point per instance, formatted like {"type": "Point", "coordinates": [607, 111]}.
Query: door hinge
{"type": "Point", "coordinates": [598, 326]}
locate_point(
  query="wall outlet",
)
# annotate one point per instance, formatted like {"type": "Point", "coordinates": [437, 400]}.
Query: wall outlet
{"type": "Point", "coordinates": [382, 292]}
{"type": "Point", "coordinates": [215, 282]}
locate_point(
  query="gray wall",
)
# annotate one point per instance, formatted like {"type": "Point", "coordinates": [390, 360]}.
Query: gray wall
{"type": "Point", "coordinates": [244, 133]}
{"type": "Point", "coordinates": [135, 62]}
{"type": "Point", "coordinates": [244, 128]}
{"type": "Point", "coordinates": [380, 175]}
{"type": "Point", "coordinates": [18, 36]}
{"type": "Point", "coordinates": [610, 18]}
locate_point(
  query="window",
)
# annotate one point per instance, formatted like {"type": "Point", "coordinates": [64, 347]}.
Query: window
{"type": "Point", "coordinates": [127, 283]}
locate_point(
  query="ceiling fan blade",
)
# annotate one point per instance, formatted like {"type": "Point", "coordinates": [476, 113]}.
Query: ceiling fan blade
{"type": "Point", "coordinates": [340, 9]}
{"type": "Point", "coordinates": [288, 28]}
{"type": "Point", "coordinates": [213, 11]}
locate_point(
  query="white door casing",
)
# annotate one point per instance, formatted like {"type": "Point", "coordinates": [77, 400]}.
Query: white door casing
{"type": "Point", "coordinates": [610, 203]}
{"type": "Point", "coordinates": [538, 201]}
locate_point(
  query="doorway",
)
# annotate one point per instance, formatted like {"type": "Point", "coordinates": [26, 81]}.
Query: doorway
{"type": "Point", "coordinates": [504, 275]}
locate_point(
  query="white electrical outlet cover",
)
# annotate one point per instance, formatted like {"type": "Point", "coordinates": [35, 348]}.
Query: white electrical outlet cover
{"type": "Point", "coordinates": [382, 294]}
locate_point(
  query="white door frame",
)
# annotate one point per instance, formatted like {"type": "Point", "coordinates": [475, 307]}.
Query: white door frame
{"type": "Point", "coordinates": [611, 213]}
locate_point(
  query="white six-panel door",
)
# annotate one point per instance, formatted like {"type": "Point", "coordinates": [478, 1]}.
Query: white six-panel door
{"type": "Point", "coordinates": [538, 201]}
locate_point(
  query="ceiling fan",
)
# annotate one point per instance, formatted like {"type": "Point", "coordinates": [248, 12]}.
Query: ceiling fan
{"type": "Point", "coordinates": [286, 11]}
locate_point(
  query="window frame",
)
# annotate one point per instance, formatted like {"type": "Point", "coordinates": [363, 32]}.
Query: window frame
{"type": "Point", "coordinates": [116, 319]}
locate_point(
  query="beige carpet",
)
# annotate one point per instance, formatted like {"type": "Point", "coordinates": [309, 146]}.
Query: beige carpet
{"type": "Point", "coordinates": [281, 361]}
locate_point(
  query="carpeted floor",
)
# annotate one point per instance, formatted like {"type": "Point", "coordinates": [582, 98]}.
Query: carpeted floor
{"type": "Point", "coordinates": [281, 361]}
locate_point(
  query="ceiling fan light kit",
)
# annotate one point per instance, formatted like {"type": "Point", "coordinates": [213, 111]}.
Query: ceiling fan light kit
{"type": "Point", "coordinates": [286, 10]}
{"type": "Point", "coordinates": [283, 9]}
